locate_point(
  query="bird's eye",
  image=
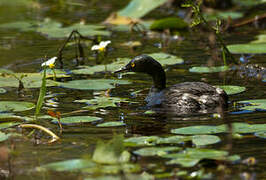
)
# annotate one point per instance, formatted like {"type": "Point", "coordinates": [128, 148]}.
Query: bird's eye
{"type": "Point", "coordinates": [133, 65]}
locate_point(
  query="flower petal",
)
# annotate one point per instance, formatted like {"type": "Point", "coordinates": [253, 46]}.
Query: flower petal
{"type": "Point", "coordinates": [50, 61]}
{"type": "Point", "coordinates": [95, 47]}
{"type": "Point", "coordinates": [104, 43]}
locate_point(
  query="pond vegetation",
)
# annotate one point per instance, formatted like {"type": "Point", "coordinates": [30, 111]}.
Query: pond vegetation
{"type": "Point", "coordinates": [66, 115]}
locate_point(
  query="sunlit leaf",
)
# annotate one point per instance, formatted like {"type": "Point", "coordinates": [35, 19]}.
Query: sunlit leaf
{"type": "Point", "coordinates": [141, 141]}
{"type": "Point", "coordinates": [171, 23]}
{"type": "Point", "coordinates": [166, 59]}
{"type": "Point", "coordinates": [139, 8]}
{"type": "Point", "coordinates": [77, 119]}
{"type": "Point", "coordinates": [113, 168]}
{"type": "Point", "coordinates": [222, 15]}
{"type": "Point", "coordinates": [3, 136]}
{"type": "Point", "coordinates": [8, 124]}
{"type": "Point", "coordinates": [111, 124]}
{"type": "Point", "coordinates": [202, 140]}
{"type": "Point", "coordinates": [205, 69]}
{"type": "Point", "coordinates": [154, 151]}
{"type": "Point", "coordinates": [15, 106]}
{"type": "Point", "coordinates": [20, 25]}
{"type": "Point", "coordinates": [93, 84]}
{"type": "Point", "coordinates": [29, 80]}
{"type": "Point", "coordinates": [69, 165]}
{"type": "Point", "coordinates": [261, 38]}
{"type": "Point", "coordinates": [232, 89]}
{"type": "Point", "coordinates": [102, 102]}
{"type": "Point", "coordinates": [173, 140]}
{"type": "Point", "coordinates": [251, 48]}
{"type": "Point", "coordinates": [111, 152]}
{"type": "Point", "coordinates": [2, 91]}
{"type": "Point", "coordinates": [261, 134]}
{"type": "Point", "coordinates": [253, 105]}
{"type": "Point", "coordinates": [205, 129]}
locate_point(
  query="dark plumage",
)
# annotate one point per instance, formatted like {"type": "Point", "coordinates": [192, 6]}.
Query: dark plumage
{"type": "Point", "coordinates": [184, 98]}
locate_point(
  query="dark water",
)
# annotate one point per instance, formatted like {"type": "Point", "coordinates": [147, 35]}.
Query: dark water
{"type": "Point", "coordinates": [22, 52]}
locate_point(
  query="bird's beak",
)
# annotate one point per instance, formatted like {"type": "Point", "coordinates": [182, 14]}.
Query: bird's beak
{"type": "Point", "coordinates": [123, 69]}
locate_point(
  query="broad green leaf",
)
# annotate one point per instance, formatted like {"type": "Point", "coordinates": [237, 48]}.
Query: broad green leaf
{"type": "Point", "coordinates": [173, 140]}
{"type": "Point", "coordinates": [11, 117]}
{"type": "Point", "coordinates": [20, 25]}
{"type": "Point", "coordinates": [248, 2]}
{"type": "Point", "coordinates": [260, 39]}
{"type": "Point", "coordinates": [204, 129]}
{"type": "Point", "coordinates": [251, 48]}
{"type": "Point", "coordinates": [8, 124]}
{"type": "Point", "coordinates": [29, 80]}
{"type": "Point", "coordinates": [77, 119]}
{"type": "Point", "coordinates": [253, 105]}
{"type": "Point", "coordinates": [15, 106]}
{"type": "Point", "coordinates": [93, 84]}
{"type": "Point", "coordinates": [222, 15]}
{"type": "Point", "coordinates": [139, 8]}
{"type": "Point", "coordinates": [171, 23]}
{"type": "Point", "coordinates": [3, 136]}
{"type": "Point", "coordinates": [101, 102]}
{"type": "Point", "coordinates": [111, 124]}
{"type": "Point", "coordinates": [232, 89]}
{"type": "Point", "coordinates": [205, 69]}
{"type": "Point", "coordinates": [111, 152]}
{"type": "Point", "coordinates": [2, 91]}
{"type": "Point", "coordinates": [141, 141]}
{"type": "Point", "coordinates": [155, 151]}
{"type": "Point", "coordinates": [68, 165]}
{"type": "Point", "coordinates": [202, 140]}
{"type": "Point", "coordinates": [166, 59]}
{"type": "Point", "coordinates": [261, 134]}
{"type": "Point", "coordinates": [113, 168]}
{"type": "Point", "coordinates": [191, 156]}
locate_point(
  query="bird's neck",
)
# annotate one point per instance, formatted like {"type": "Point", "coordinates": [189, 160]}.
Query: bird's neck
{"type": "Point", "coordinates": [159, 79]}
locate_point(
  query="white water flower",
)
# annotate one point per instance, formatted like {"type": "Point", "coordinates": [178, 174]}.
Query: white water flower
{"type": "Point", "coordinates": [50, 62]}
{"type": "Point", "coordinates": [101, 47]}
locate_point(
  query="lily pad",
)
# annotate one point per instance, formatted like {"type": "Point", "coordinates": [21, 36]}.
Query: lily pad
{"type": "Point", "coordinates": [141, 141]}
{"type": "Point", "coordinates": [111, 124]}
{"type": "Point", "coordinates": [2, 91]}
{"type": "Point", "coordinates": [261, 134]}
{"type": "Point", "coordinates": [191, 156]}
{"type": "Point", "coordinates": [237, 128]}
{"type": "Point", "coordinates": [69, 165]}
{"type": "Point", "coordinates": [154, 151]}
{"type": "Point", "coordinates": [251, 48]}
{"type": "Point", "coordinates": [139, 8]}
{"type": "Point", "coordinates": [77, 119]}
{"type": "Point", "coordinates": [253, 105]}
{"type": "Point", "coordinates": [8, 124]}
{"type": "Point", "coordinates": [93, 84]}
{"type": "Point", "coordinates": [209, 69]}
{"type": "Point", "coordinates": [260, 39]}
{"type": "Point", "coordinates": [101, 102]}
{"type": "Point", "coordinates": [202, 140]}
{"type": "Point", "coordinates": [232, 89]}
{"type": "Point", "coordinates": [173, 140]}
{"type": "Point", "coordinates": [29, 80]}
{"type": "Point", "coordinates": [166, 59]}
{"type": "Point", "coordinates": [3, 136]}
{"type": "Point", "coordinates": [15, 106]}
{"type": "Point", "coordinates": [171, 23]}
{"type": "Point", "coordinates": [223, 15]}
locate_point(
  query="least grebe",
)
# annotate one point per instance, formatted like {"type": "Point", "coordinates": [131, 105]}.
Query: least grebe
{"type": "Point", "coordinates": [187, 97]}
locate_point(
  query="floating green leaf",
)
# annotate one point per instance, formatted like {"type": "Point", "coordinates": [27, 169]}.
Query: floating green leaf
{"type": "Point", "coordinates": [93, 84]}
{"type": "Point", "coordinates": [209, 69]}
{"type": "Point", "coordinates": [141, 141]}
{"type": "Point", "coordinates": [191, 156]}
{"type": "Point", "coordinates": [77, 119]}
{"type": "Point", "coordinates": [2, 91]}
{"type": "Point", "coordinates": [69, 165]}
{"type": "Point", "coordinates": [261, 38]}
{"type": "Point", "coordinates": [232, 89]}
{"type": "Point", "coordinates": [20, 25]}
{"type": "Point", "coordinates": [237, 128]}
{"type": "Point", "coordinates": [202, 140]}
{"type": "Point", "coordinates": [111, 152]}
{"type": "Point", "coordinates": [111, 124]}
{"type": "Point", "coordinates": [222, 15]}
{"type": "Point", "coordinates": [171, 23]}
{"type": "Point", "coordinates": [29, 80]}
{"type": "Point", "coordinates": [139, 8]}
{"type": "Point", "coordinates": [3, 136]}
{"type": "Point", "coordinates": [253, 105]}
{"type": "Point", "coordinates": [154, 151]}
{"type": "Point", "coordinates": [166, 59]}
{"type": "Point", "coordinates": [101, 102]}
{"type": "Point", "coordinates": [8, 124]}
{"type": "Point", "coordinates": [261, 134]}
{"type": "Point", "coordinates": [173, 140]}
{"type": "Point", "coordinates": [251, 48]}
{"type": "Point", "coordinates": [15, 106]}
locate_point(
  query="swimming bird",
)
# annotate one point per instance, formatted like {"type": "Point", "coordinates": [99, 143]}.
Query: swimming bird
{"type": "Point", "coordinates": [183, 98]}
